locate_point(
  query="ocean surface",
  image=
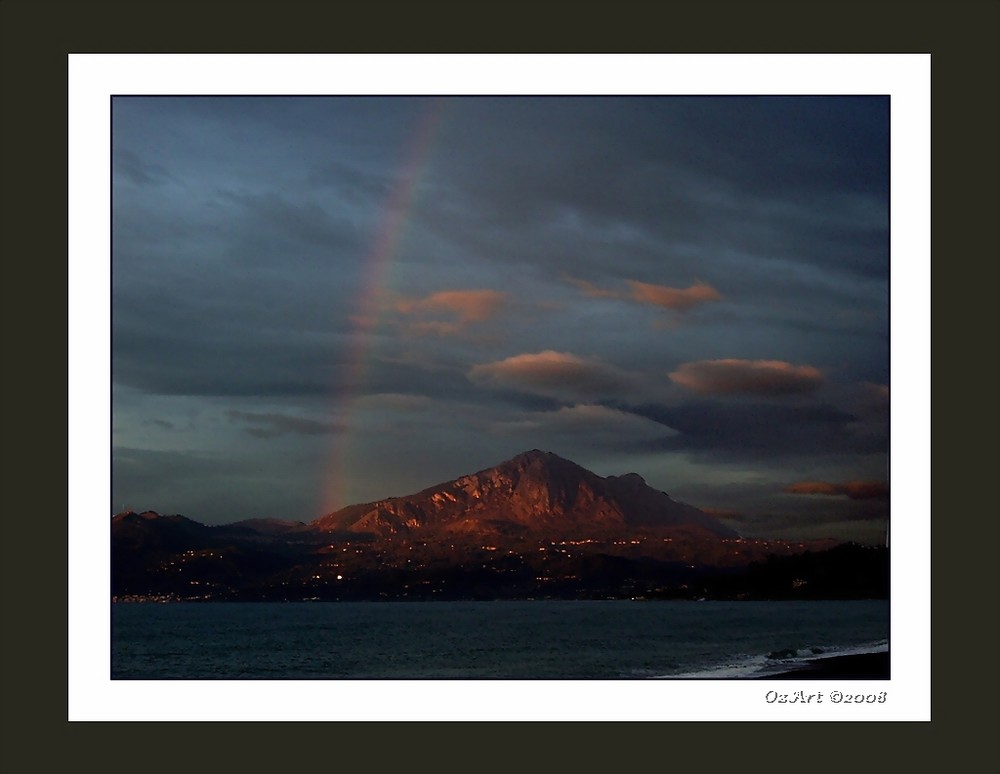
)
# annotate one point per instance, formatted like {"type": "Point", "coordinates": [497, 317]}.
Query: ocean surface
{"type": "Point", "coordinates": [544, 639]}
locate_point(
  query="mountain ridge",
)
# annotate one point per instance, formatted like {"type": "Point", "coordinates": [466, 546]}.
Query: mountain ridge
{"type": "Point", "coordinates": [534, 526]}
{"type": "Point", "coordinates": [535, 492]}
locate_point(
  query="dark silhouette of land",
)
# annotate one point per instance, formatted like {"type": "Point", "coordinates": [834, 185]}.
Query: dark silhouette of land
{"type": "Point", "coordinates": [861, 666]}
{"type": "Point", "coordinates": [536, 526]}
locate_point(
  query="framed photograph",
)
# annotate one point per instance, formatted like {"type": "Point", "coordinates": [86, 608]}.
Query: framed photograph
{"type": "Point", "coordinates": [555, 373]}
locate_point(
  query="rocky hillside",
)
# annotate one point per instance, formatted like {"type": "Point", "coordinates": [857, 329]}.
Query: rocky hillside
{"type": "Point", "coordinates": [535, 493]}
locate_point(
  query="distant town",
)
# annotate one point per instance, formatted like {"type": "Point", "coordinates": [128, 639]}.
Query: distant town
{"type": "Point", "coordinates": [534, 527]}
{"type": "Point", "coordinates": [624, 568]}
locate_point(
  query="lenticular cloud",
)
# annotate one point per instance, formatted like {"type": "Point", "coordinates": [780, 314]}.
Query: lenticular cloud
{"type": "Point", "coordinates": [754, 377]}
{"type": "Point", "coordinates": [552, 373]}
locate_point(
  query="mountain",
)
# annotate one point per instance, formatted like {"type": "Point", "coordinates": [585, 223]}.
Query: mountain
{"type": "Point", "coordinates": [150, 531]}
{"type": "Point", "coordinates": [534, 527]}
{"type": "Point", "coordinates": [536, 493]}
{"type": "Point", "coordinates": [270, 526]}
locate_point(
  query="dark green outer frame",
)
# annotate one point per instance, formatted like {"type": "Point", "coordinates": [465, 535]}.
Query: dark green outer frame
{"type": "Point", "coordinates": [35, 39]}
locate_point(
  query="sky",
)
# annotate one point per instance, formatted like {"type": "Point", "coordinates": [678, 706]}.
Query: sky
{"type": "Point", "coordinates": [324, 301]}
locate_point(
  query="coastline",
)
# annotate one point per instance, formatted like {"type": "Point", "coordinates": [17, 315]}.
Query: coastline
{"type": "Point", "coordinates": [857, 666]}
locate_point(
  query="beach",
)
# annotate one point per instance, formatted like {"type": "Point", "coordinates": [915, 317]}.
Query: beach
{"type": "Point", "coordinates": [859, 666]}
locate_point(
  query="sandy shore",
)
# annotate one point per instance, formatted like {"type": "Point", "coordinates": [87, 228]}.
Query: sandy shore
{"type": "Point", "coordinates": [863, 666]}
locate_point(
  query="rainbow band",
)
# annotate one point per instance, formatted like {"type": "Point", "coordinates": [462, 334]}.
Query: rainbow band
{"type": "Point", "coordinates": [378, 261]}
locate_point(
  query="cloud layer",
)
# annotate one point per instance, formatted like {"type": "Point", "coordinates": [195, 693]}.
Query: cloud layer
{"type": "Point", "coordinates": [459, 308]}
{"type": "Point", "coordinates": [585, 423]}
{"type": "Point", "coordinates": [557, 259]}
{"type": "Point", "coordinates": [675, 299]}
{"type": "Point", "coordinates": [855, 490]}
{"type": "Point", "coordinates": [748, 377]}
{"type": "Point", "coordinates": [552, 373]}
{"type": "Point", "coordinates": [272, 425]}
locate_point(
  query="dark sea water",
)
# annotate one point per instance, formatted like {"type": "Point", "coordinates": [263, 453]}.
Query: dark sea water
{"type": "Point", "coordinates": [484, 640]}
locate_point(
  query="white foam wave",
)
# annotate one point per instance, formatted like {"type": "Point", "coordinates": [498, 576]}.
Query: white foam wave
{"type": "Point", "coordinates": [759, 665]}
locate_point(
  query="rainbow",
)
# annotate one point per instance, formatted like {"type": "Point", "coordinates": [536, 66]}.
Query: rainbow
{"type": "Point", "coordinates": [371, 301]}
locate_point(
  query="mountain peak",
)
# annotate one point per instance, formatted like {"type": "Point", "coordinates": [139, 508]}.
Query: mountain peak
{"type": "Point", "coordinates": [630, 478]}
{"type": "Point", "coordinates": [631, 482]}
{"type": "Point", "coordinates": [132, 514]}
{"type": "Point", "coordinates": [536, 492]}
{"type": "Point", "coordinates": [533, 455]}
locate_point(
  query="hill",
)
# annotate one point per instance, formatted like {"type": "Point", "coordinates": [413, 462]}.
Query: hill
{"type": "Point", "coordinates": [534, 526]}
{"type": "Point", "coordinates": [536, 493]}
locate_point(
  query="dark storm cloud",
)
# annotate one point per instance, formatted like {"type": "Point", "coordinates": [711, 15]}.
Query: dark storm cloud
{"type": "Point", "coordinates": [855, 490]}
{"type": "Point", "coordinates": [136, 171]}
{"type": "Point", "coordinates": [212, 487]}
{"type": "Point", "coordinates": [144, 476]}
{"type": "Point", "coordinates": [639, 169]}
{"type": "Point", "coordinates": [176, 464]}
{"type": "Point", "coordinates": [730, 431]}
{"type": "Point", "coordinates": [588, 425]}
{"type": "Point", "coordinates": [193, 357]}
{"type": "Point", "coordinates": [871, 510]}
{"type": "Point", "coordinates": [240, 278]}
{"type": "Point", "coordinates": [353, 184]}
{"type": "Point", "coordinates": [163, 424]}
{"type": "Point", "coordinates": [300, 221]}
{"type": "Point", "coordinates": [869, 530]}
{"type": "Point", "coordinates": [226, 358]}
{"type": "Point", "coordinates": [257, 304]}
{"type": "Point", "coordinates": [272, 425]}
{"type": "Point", "coordinates": [756, 174]}
{"type": "Point", "coordinates": [763, 509]}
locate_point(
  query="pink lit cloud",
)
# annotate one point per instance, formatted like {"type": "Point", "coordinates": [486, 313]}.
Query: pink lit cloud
{"type": "Point", "coordinates": [675, 299]}
{"type": "Point", "coordinates": [754, 377]}
{"type": "Point", "coordinates": [678, 299]}
{"type": "Point", "coordinates": [449, 311]}
{"type": "Point", "coordinates": [592, 290]}
{"type": "Point", "coordinates": [552, 373]}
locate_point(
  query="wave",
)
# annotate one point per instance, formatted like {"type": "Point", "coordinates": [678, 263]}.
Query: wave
{"type": "Point", "coordinates": [774, 662]}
